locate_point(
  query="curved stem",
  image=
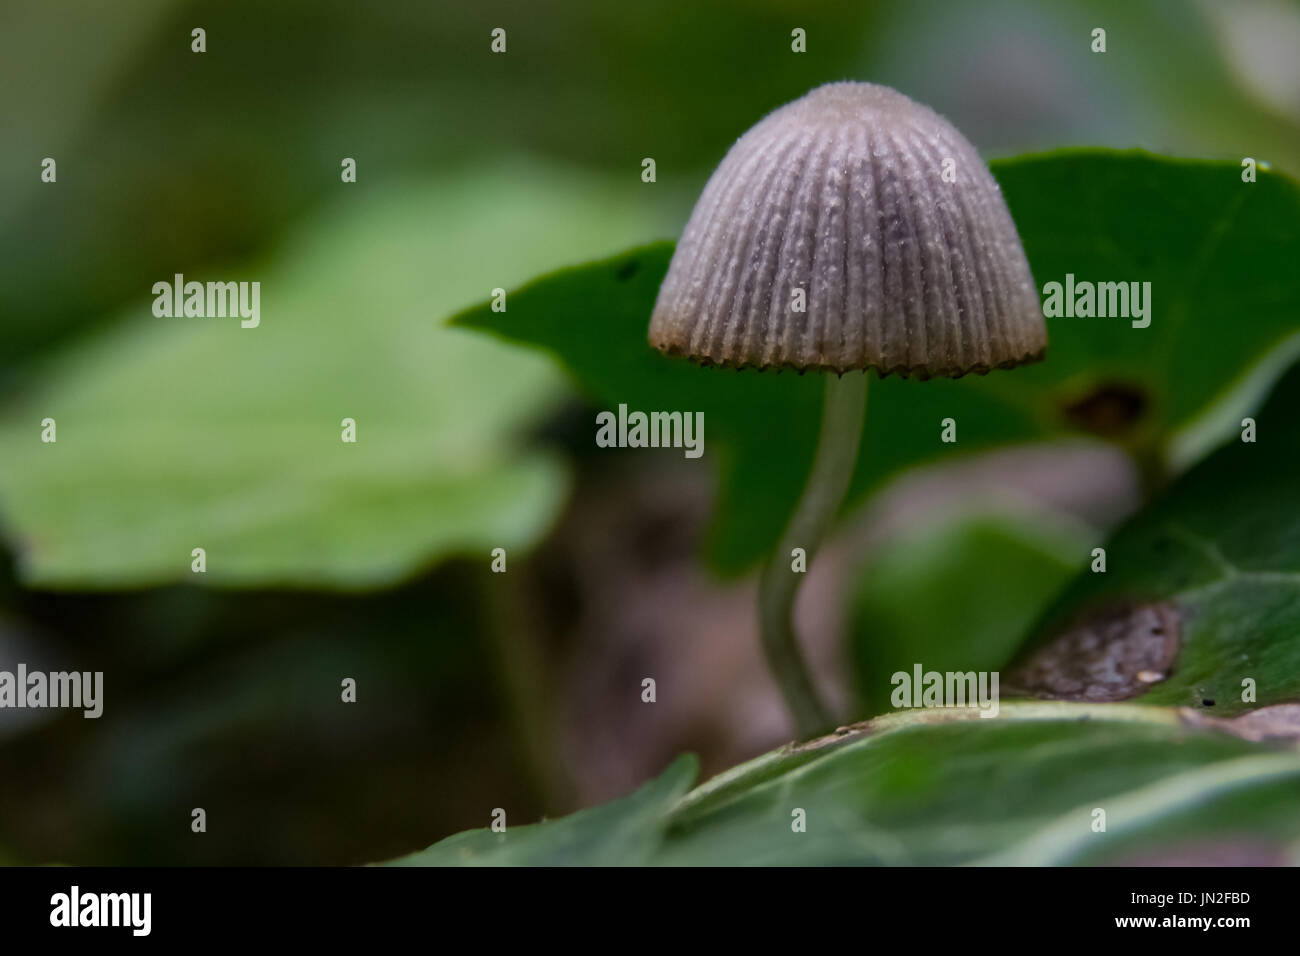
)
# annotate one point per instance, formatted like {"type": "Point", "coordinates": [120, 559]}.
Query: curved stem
{"type": "Point", "coordinates": [837, 453]}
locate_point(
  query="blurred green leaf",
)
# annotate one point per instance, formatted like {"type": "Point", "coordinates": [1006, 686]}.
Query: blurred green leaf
{"type": "Point", "coordinates": [956, 597]}
{"type": "Point", "coordinates": [944, 788]}
{"type": "Point", "coordinates": [181, 433]}
{"type": "Point", "coordinates": [625, 832]}
{"type": "Point", "coordinates": [1218, 252]}
{"type": "Point", "coordinates": [1220, 550]}
{"type": "Point", "coordinates": [405, 88]}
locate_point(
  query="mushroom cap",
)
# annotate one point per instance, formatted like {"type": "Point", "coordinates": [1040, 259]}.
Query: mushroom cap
{"type": "Point", "coordinates": [843, 194]}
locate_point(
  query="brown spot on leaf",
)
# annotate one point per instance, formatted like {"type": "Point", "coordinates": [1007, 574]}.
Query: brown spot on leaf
{"type": "Point", "coordinates": [1110, 409]}
{"type": "Point", "coordinates": [1112, 653]}
{"type": "Point", "coordinates": [837, 736]}
{"type": "Point", "coordinates": [1279, 722]}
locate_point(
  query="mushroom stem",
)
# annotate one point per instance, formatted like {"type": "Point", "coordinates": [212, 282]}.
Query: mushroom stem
{"type": "Point", "coordinates": [828, 482]}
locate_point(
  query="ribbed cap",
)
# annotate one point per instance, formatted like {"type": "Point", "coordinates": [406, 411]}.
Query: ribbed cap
{"type": "Point", "coordinates": [842, 194]}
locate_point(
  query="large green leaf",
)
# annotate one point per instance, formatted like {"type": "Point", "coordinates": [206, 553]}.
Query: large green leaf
{"type": "Point", "coordinates": [922, 788]}
{"type": "Point", "coordinates": [1219, 254]}
{"type": "Point", "coordinates": [624, 832]}
{"type": "Point", "coordinates": [1218, 554]}
{"type": "Point", "coordinates": [957, 596]}
{"type": "Point", "coordinates": [175, 434]}
{"type": "Point", "coordinates": [1214, 565]}
{"type": "Point", "coordinates": [945, 787]}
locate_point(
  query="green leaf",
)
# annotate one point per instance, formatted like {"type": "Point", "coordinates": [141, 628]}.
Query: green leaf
{"type": "Point", "coordinates": [626, 832]}
{"type": "Point", "coordinates": [180, 433]}
{"type": "Point", "coordinates": [959, 596]}
{"type": "Point", "coordinates": [1019, 788]}
{"type": "Point", "coordinates": [944, 788]}
{"type": "Point", "coordinates": [1218, 252]}
{"type": "Point", "coordinates": [1219, 554]}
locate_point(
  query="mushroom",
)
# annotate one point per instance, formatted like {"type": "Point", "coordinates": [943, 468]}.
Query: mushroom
{"type": "Point", "coordinates": [852, 229]}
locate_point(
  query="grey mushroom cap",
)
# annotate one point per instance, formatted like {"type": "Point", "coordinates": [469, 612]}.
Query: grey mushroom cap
{"type": "Point", "coordinates": [842, 194]}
